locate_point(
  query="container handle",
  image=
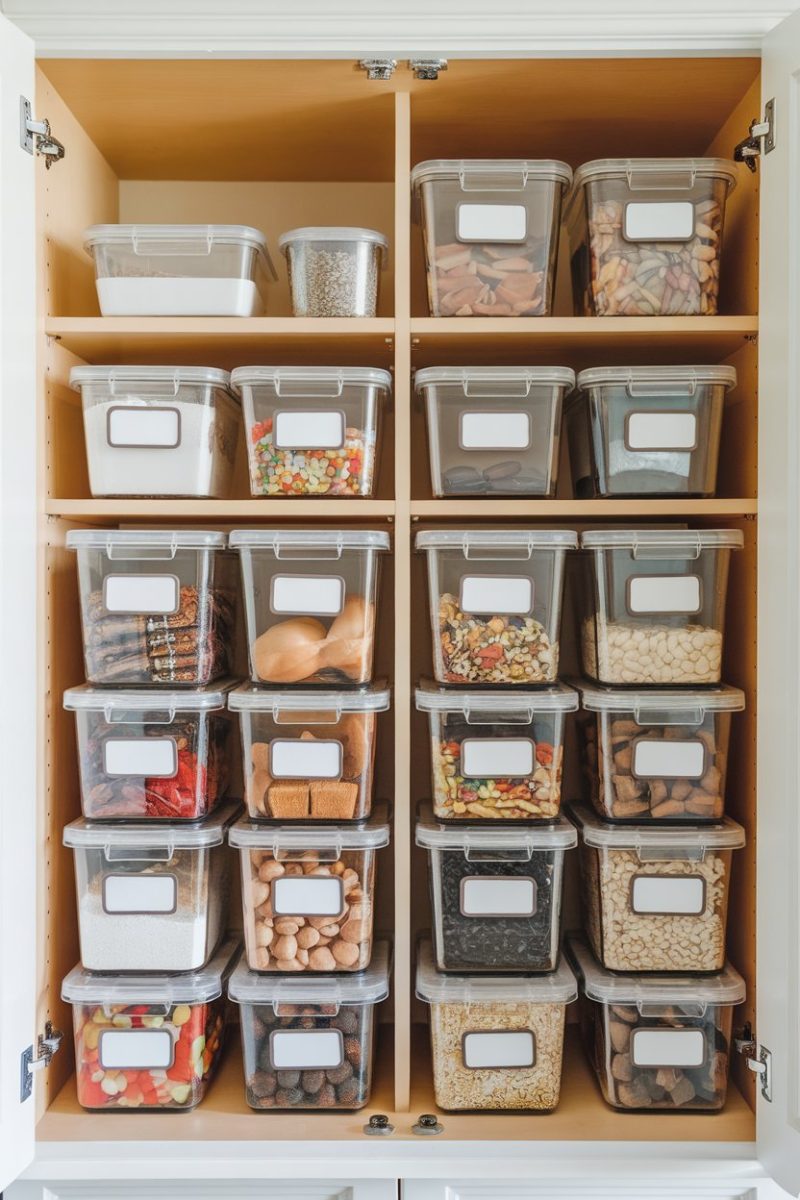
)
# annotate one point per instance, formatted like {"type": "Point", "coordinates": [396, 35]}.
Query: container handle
{"type": "Point", "coordinates": [289, 553]}
{"type": "Point", "coordinates": [152, 854]}
{"type": "Point", "coordinates": [685, 548]}
{"type": "Point", "coordinates": [141, 553]}
{"type": "Point", "coordinates": [289, 850]}
{"type": "Point", "coordinates": [496, 553]}
{"type": "Point", "coordinates": [316, 993]}
{"type": "Point", "coordinates": [119, 375]}
{"type": "Point", "coordinates": [150, 247]}
{"type": "Point", "coordinates": [312, 716]}
{"type": "Point", "coordinates": [479, 388]}
{"type": "Point", "coordinates": [156, 1010]}
{"type": "Point", "coordinates": [663, 387]}
{"type": "Point", "coordinates": [118, 713]}
{"type": "Point", "coordinates": [678, 716]}
{"type": "Point", "coordinates": [514, 179]}
{"type": "Point", "coordinates": [670, 853]}
{"type": "Point", "coordinates": [293, 386]}
{"type": "Point", "coordinates": [693, 1008]}
{"type": "Point", "coordinates": [659, 179]}
{"type": "Point", "coordinates": [477, 854]}
{"type": "Point", "coordinates": [520, 716]}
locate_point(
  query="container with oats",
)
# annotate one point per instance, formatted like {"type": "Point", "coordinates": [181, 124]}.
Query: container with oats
{"type": "Point", "coordinates": [334, 271]}
{"type": "Point", "coordinates": [496, 1041]}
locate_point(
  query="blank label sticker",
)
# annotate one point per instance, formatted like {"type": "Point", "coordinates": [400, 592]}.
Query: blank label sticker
{"type": "Point", "coordinates": [136, 1049]}
{"type": "Point", "coordinates": [659, 222]}
{"type": "Point", "coordinates": [494, 431]}
{"type": "Point", "coordinates": [307, 896]}
{"type": "Point", "coordinates": [151, 428]}
{"type": "Point", "coordinates": [318, 595]}
{"type": "Point", "coordinates": [151, 594]}
{"type": "Point", "coordinates": [492, 222]}
{"type": "Point", "coordinates": [504, 896]}
{"type": "Point", "coordinates": [298, 758]}
{"type": "Point", "coordinates": [486, 758]}
{"type": "Point", "coordinates": [511, 594]}
{"type": "Point", "coordinates": [309, 430]}
{"type": "Point", "coordinates": [684, 895]}
{"type": "Point", "coordinates": [300, 1049]}
{"type": "Point", "coordinates": [140, 893]}
{"type": "Point", "coordinates": [156, 757]}
{"type": "Point", "coordinates": [664, 594]}
{"type": "Point", "coordinates": [668, 1047]}
{"type": "Point", "coordinates": [661, 431]}
{"type": "Point", "coordinates": [512, 1048]}
{"type": "Point", "coordinates": [666, 759]}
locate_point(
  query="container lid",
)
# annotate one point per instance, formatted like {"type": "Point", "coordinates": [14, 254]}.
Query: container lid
{"type": "Point", "coordinates": [724, 987]}
{"type": "Point", "coordinates": [495, 382]}
{"type": "Point", "coordinates": [676, 173]}
{"type": "Point", "coordinates": [109, 700]}
{"type": "Point", "coordinates": [555, 987]}
{"type": "Point", "coordinates": [661, 700]}
{"type": "Point", "coordinates": [198, 239]}
{"type": "Point", "coordinates": [306, 700]}
{"type": "Point", "coordinates": [334, 233]}
{"type": "Point", "coordinates": [467, 540]}
{"type": "Point", "coordinates": [285, 840]}
{"type": "Point", "coordinates": [323, 382]}
{"type": "Point", "coordinates": [560, 835]}
{"type": "Point", "coordinates": [525, 702]}
{"type": "Point", "coordinates": [649, 380]}
{"type": "Point", "coordinates": [648, 540]}
{"type": "Point", "coordinates": [308, 539]}
{"type": "Point", "coordinates": [94, 835]}
{"type": "Point", "coordinates": [144, 539]}
{"type": "Point", "coordinates": [193, 987]}
{"type": "Point", "coordinates": [485, 173]}
{"type": "Point", "coordinates": [683, 840]}
{"type": "Point", "coordinates": [362, 987]}
{"type": "Point", "coordinates": [121, 378]}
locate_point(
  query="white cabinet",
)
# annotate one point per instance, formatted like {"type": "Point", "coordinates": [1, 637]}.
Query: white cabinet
{"type": "Point", "coordinates": [176, 1189]}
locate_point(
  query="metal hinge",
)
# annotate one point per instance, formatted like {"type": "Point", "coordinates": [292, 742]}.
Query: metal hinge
{"type": "Point", "coordinates": [378, 68]}
{"type": "Point", "coordinates": [759, 1059]}
{"type": "Point", "coordinates": [47, 1045]}
{"type": "Point", "coordinates": [35, 136]}
{"type": "Point", "coordinates": [760, 139]}
{"type": "Point", "coordinates": [427, 68]}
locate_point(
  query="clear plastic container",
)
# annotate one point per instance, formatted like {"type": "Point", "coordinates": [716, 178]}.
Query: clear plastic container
{"type": "Point", "coordinates": [496, 1041]}
{"type": "Point", "coordinates": [312, 431]}
{"type": "Point", "coordinates": [309, 1043]}
{"type": "Point", "coordinates": [646, 235]}
{"type": "Point", "coordinates": [334, 271]}
{"type": "Point", "coordinates": [158, 431]}
{"type": "Point", "coordinates": [310, 599]}
{"type": "Point", "coordinates": [180, 270]}
{"type": "Point", "coordinates": [647, 431]}
{"type": "Point", "coordinates": [496, 755]}
{"type": "Point", "coordinates": [495, 894]}
{"type": "Point", "coordinates": [151, 897]}
{"type": "Point", "coordinates": [308, 894]}
{"type": "Point", "coordinates": [309, 754]}
{"type": "Point", "coordinates": [656, 899]}
{"type": "Point", "coordinates": [658, 755]}
{"type": "Point", "coordinates": [149, 1041]}
{"type": "Point", "coordinates": [491, 230]}
{"type": "Point", "coordinates": [494, 431]}
{"type": "Point", "coordinates": [657, 1042]}
{"type": "Point", "coordinates": [151, 755]}
{"type": "Point", "coordinates": [495, 600]}
{"type": "Point", "coordinates": [654, 604]}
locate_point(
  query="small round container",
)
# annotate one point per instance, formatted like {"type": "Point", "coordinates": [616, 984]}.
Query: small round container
{"type": "Point", "coordinates": [334, 271]}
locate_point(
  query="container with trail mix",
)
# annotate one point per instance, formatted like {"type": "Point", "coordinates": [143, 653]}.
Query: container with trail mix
{"type": "Point", "coordinates": [496, 755]}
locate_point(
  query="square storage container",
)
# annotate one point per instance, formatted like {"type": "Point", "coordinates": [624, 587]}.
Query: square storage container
{"type": "Point", "coordinates": [309, 755]}
{"type": "Point", "coordinates": [180, 270]}
{"type": "Point", "coordinates": [657, 1042]}
{"type": "Point", "coordinates": [310, 597]}
{"type": "Point", "coordinates": [647, 431]}
{"type": "Point", "coordinates": [308, 894]}
{"type": "Point", "coordinates": [491, 229]}
{"type": "Point", "coordinates": [495, 894]}
{"type": "Point", "coordinates": [149, 1041]}
{"type": "Point", "coordinates": [658, 755]}
{"type": "Point", "coordinates": [309, 1043]}
{"type": "Point", "coordinates": [495, 601]}
{"type": "Point", "coordinates": [158, 431]}
{"type": "Point", "coordinates": [496, 1041]}
{"type": "Point", "coordinates": [494, 431]}
{"type": "Point", "coordinates": [157, 606]}
{"type": "Point", "coordinates": [334, 271]}
{"type": "Point", "coordinates": [646, 235]}
{"type": "Point", "coordinates": [495, 755]}
{"type": "Point", "coordinates": [152, 755]}
{"type": "Point", "coordinates": [151, 897]}
{"type": "Point", "coordinates": [654, 604]}
{"type": "Point", "coordinates": [312, 431]}
{"type": "Point", "coordinates": [656, 899]}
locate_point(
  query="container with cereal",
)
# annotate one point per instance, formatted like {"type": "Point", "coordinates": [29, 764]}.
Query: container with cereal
{"type": "Point", "coordinates": [334, 271]}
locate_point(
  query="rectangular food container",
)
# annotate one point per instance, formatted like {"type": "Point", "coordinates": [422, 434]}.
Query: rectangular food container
{"type": "Point", "coordinates": [654, 604]}
{"type": "Point", "coordinates": [312, 431]}
{"type": "Point", "coordinates": [495, 601]}
{"type": "Point", "coordinates": [495, 755]}
{"type": "Point", "coordinates": [495, 894]}
{"type": "Point", "coordinates": [310, 597]}
{"type": "Point", "coordinates": [158, 431]}
{"type": "Point", "coordinates": [647, 431]}
{"type": "Point", "coordinates": [658, 755]}
{"type": "Point", "coordinates": [659, 1042]}
{"type": "Point", "coordinates": [157, 606]}
{"type": "Point", "coordinates": [309, 1043]}
{"type": "Point", "coordinates": [656, 899]}
{"type": "Point", "coordinates": [308, 894]}
{"type": "Point", "coordinates": [152, 755]}
{"type": "Point", "coordinates": [334, 271]}
{"type": "Point", "coordinates": [180, 270]}
{"type": "Point", "coordinates": [496, 1041]}
{"type": "Point", "coordinates": [646, 235]}
{"type": "Point", "coordinates": [151, 897]}
{"type": "Point", "coordinates": [494, 431]}
{"type": "Point", "coordinates": [308, 754]}
{"type": "Point", "coordinates": [491, 229]}
{"type": "Point", "coordinates": [149, 1041]}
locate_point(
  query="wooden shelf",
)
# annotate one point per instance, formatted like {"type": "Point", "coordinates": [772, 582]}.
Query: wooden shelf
{"type": "Point", "coordinates": [222, 510]}
{"type": "Point", "coordinates": [580, 509]}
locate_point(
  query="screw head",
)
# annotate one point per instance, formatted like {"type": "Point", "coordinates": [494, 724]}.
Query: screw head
{"type": "Point", "coordinates": [427, 1124]}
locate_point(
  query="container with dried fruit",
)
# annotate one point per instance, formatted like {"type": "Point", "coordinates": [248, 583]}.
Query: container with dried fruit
{"type": "Point", "coordinates": [149, 1041]}
{"type": "Point", "coordinates": [657, 1042]}
{"type": "Point", "coordinates": [496, 755]}
{"type": "Point", "coordinates": [658, 755]}
{"type": "Point", "coordinates": [495, 603]}
{"type": "Point", "coordinates": [310, 597]}
{"type": "Point", "coordinates": [334, 271]}
{"type": "Point", "coordinates": [491, 230]}
{"type": "Point", "coordinates": [646, 235]}
{"type": "Point", "coordinates": [496, 1041]}
{"type": "Point", "coordinates": [308, 1043]}
{"type": "Point", "coordinates": [308, 893]}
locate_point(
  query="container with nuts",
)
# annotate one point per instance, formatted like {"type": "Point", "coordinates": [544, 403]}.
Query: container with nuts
{"type": "Point", "coordinates": [308, 894]}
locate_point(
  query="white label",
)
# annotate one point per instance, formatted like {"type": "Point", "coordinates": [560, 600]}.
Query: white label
{"type": "Point", "coordinates": [668, 1048]}
{"type": "Point", "coordinates": [673, 894]}
{"type": "Point", "coordinates": [664, 594]}
{"type": "Point", "coordinates": [494, 431]}
{"type": "Point", "coordinates": [492, 222]}
{"type": "Point", "coordinates": [298, 1049]}
{"type": "Point", "coordinates": [140, 893]}
{"type": "Point", "coordinates": [666, 759]}
{"type": "Point", "coordinates": [671, 221]}
{"type": "Point", "coordinates": [320, 595]}
{"type": "Point", "coordinates": [485, 758]}
{"type": "Point", "coordinates": [309, 430]}
{"type": "Point", "coordinates": [308, 896]}
{"type": "Point", "coordinates": [511, 594]}
{"type": "Point", "coordinates": [661, 431]}
{"type": "Point", "coordinates": [515, 1048]}
{"type": "Point", "coordinates": [300, 758]}
{"type": "Point", "coordinates": [144, 427]}
{"type": "Point", "coordinates": [136, 1049]}
{"type": "Point", "coordinates": [156, 594]}
{"type": "Point", "coordinates": [503, 896]}
{"type": "Point", "coordinates": [152, 756]}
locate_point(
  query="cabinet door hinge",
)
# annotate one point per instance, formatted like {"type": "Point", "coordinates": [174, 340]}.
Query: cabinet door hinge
{"type": "Point", "coordinates": [47, 1046]}
{"type": "Point", "coordinates": [35, 136]}
{"type": "Point", "coordinates": [760, 138]}
{"type": "Point", "coordinates": [758, 1058]}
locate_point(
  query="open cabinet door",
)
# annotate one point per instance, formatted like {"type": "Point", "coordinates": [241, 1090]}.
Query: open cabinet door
{"type": "Point", "coordinates": [18, 557]}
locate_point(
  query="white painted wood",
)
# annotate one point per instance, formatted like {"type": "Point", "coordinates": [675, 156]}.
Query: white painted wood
{"type": "Point", "coordinates": [365, 1189]}
{"type": "Point", "coordinates": [646, 1188]}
